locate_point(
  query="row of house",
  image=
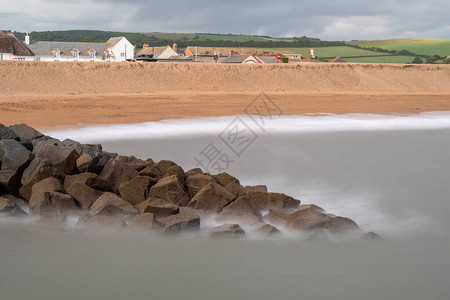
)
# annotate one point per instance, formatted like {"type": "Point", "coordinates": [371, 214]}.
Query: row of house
{"type": "Point", "coordinates": [119, 49]}
{"type": "Point", "coordinates": [115, 49]}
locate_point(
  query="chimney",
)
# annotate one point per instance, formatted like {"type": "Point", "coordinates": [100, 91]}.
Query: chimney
{"type": "Point", "coordinates": [144, 45]}
{"type": "Point", "coordinates": [27, 39]}
{"type": "Point", "coordinates": [175, 46]}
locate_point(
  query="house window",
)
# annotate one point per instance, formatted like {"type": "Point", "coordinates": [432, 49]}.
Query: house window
{"type": "Point", "coordinates": [1, 56]}
{"type": "Point", "coordinates": [21, 58]}
{"type": "Point", "coordinates": [37, 58]}
{"type": "Point", "coordinates": [92, 54]}
{"type": "Point", "coordinates": [76, 54]}
{"type": "Point", "coordinates": [122, 54]}
{"type": "Point", "coordinates": [56, 54]}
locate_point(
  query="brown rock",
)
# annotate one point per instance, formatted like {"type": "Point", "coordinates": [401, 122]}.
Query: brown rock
{"type": "Point", "coordinates": [21, 132]}
{"type": "Point", "coordinates": [176, 170]}
{"type": "Point", "coordinates": [163, 165]}
{"type": "Point", "coordinates": [39, 169]}
{"type": "Point", "coordinates": [90, 179]}
{"type": "Point", "coordinates": [160, 207]}
{"type": "Point", "coordinates": [142, 222]}
{"type": "Point", "coordinates": [14, 156]}
{"type": "Point", "coordinates": [195, 183]}
{"type": "Point", "coordinates": [278, 217]}
{"type": "Point", "coordinates": [84, 162]}
{"type": "Point", "coordinates": [116, 172]}
{"type": "Point", "coordinates": [136, 163]}
{"type": "Point", "coordinates": [151, 171]}
{"type": "Point", "coordinates": [225, 179]}
{"type": "Point", "coordinates": [193, 172]}
{"type": "Point", "coordinates": [17, 213]}
{"type": "Point", "coordinates": [18, 202]}
{"type": "Point", "coordinates": [264, 200]}
{"type": "Point", "coordinates": [178, 223]}
{"type": "Point", "coordinates": [268, 229]}
{"type": "Point", "coordinates": [111, 204]}
{"type": "Point", "coordinates": [83, 194]}
{"type": "Point", "coordinates": [227, 231]}
{"type": "Point", "coordinates": [236, 189]}
{"type": "Point", "coordinates": [171, 189]}
{"type": "Point", "coordinates": [9, 181]}
{"type": "Point", "coordinates": [313, 206]}
{"type": "Point", "coordinates": [256, 188]}
{"type": "Point", "coordinates": [212, 197]}
{"type": "Point", "coordinates": [41, 203]}
{"type": "Point", "coordinates": [307, 219]}
{"type": "Point", "coordinates": [136, 190]}
{"type": "Point", "coordinates": [6, 205]}
{"type": "Point", "coordinates": [341, 225]}
{"type": "Point", "coordinates": [241, 210]}
{"type": "Point", "coordinates": [62, 158]}
{"type": "Point", "coordinates": [100, 221]}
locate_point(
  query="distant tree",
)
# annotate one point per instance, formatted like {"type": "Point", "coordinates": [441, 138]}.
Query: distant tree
{"type": "Point", "coordinates": [447, 60]}
{"type": "Point", "coordinates": [417, 60]}
{"type": "Point", "coordinates": [405, 52]}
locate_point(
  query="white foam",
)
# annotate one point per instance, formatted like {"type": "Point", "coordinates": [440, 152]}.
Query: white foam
{"type": "Point", "coordinates": [282, 124]}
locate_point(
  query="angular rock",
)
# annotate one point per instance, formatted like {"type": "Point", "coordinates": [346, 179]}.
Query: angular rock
{"type": "Point", "coordinates": [163, 165]}
{"type": "Point", "coordinates": [111, 204]}
{"type": "Point", "coordinates": [100, 221]}
{"type": "Point", "coordinates": [21, 133]}
{"type": "Point", "coordinates": [136, 163]}
{"type": "Point", "coordinates": [178, 223]}
{"type": "Point", "coordinates": [83, 194]}
{"type": "Point", "coordinates": [236, 189]}
{"type": "Point", "coordinates": [268, 229]}
{"type": "Point", "coordinates": [14, 156]}
{"type": "Point", "coordinates": [136, 190]}
{"type": "Point", "coordinates": [256, 188]}
{"type": "Point", "coordinates": [176, 170]}
{"type": "Point", "coordinates": [170, 188]}
{"type": "Point", "coordinates": [99, 160]}
{"type": "Point", "coordinates": [313, 206]}
{"type": "Point", "coordinates": [225, 179]}
{"type": "Point", "coordinates": [116, 172]}
{"type": "Point", "coordinates": [264, 200]}
{"type": "Point", "coordinates": [341, 225]}
{"type": "Point", "coordinates": [20, 203]}
{"type": "Point", "coordinates": [213, 197]}
{"type": "Point", "coordinates": [6, 205]}
{"type": "Point", "coordinates": [195, 183]}
{"type": "Point", "coordinates": [142, 222]}
{"type": "Point", "coordinates": [53, 203]}
{"type": "Point", "coordinates": [3, 130]}
{"type": "Point", "coordinates": [17, 212]}
{"type": "Point", "coordinates": [307, 219]}
{"type": "Point", "coordinates": [193, 172]}
{"type": "Point", "coordinates": [41, 203]}
{"type": "Point", "coordinates": [160, 207]}
{"type": "Point", "coordinates": [241, 210]}
{"type": "Point", "coordinates": [227, 231]}
{"type": "Point", "coordinates": [63, 158]}
{"type": "Point", "coordinates": [10, 181]}
{"type": "Point", "coordinates": [278, 217]}
{"type": "Point", "coordinates": [84, 162]}
{"type": "Point", "coordinates": [151, 171]}
{"type": "Point", "coordinates": [90, 179]}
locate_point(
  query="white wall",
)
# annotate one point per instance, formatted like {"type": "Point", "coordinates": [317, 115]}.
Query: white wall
{"type": "Point", "coordinates": [123, 46]}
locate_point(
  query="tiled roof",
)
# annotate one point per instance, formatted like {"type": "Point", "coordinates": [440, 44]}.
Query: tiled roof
{"type": "Point", "coordinates": [10, 44]}
{"type": "Point", "coordinates": [235, 59]}
{"type": "Point", "coordinates": [46, 48]}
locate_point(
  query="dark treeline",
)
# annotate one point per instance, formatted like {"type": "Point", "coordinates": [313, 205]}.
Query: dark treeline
{"type": "Point", "coordinates": [139, 39]}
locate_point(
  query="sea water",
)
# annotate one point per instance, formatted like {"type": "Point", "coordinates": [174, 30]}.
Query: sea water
{"type": "Point", "coordinates": [391, 174]}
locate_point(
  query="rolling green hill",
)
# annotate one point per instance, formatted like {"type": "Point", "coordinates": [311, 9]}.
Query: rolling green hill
{"type": "Point", "coordinates": [427, 47]}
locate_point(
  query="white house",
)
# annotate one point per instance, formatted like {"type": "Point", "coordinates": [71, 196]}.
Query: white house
{"type": "Point", "coordinates": [115, 49]}
{"type": "Point", "coordinates": [13, 49]}
{"type": "Point", "coordinates": [164, 52]}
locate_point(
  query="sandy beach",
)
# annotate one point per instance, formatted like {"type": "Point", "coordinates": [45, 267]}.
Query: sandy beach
{"type": "Point", "coordinates": [48, 95]}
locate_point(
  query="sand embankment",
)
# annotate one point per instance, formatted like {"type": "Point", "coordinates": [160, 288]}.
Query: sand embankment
{"type": "Point", "coordinates": [50, 94]}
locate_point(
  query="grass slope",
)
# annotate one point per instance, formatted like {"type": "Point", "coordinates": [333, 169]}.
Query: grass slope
{"type": "Point", "coordinates": [420, 46]}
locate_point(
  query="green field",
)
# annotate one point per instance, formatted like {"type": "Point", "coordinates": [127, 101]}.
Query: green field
{"type": "Point", "coordinates": [332, 52]}
{"type": "Point", "coordinates": [428, 47]}
{"type": "Point", "coordinates": [385, 59]}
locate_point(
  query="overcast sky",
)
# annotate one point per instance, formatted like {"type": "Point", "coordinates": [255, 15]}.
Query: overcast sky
{"type": "Point", "coordinates": [328, 20]}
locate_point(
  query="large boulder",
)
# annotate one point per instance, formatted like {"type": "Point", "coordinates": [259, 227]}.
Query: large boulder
{"type": "Point", "coordinates": [3, 130]}
{"type": "Point", "coordinates": [171, 189]}
{"type": "Point", "coordinates": [179, 222]}
{"type": "Point", "coordinates": [136, 163]}
{"type": "Point", "coordinates": [53, 203]}
{"type": "Point", "coordinates": [265, 200]}
{"type": "Point", "coordinates": [176, 170]}
{"type": "Point", "coordinates": [151, 171]}
{"type": "Point", "coordinates": [213, 197]}
{"type": "Point", "coordinates": [236, 189]}
{"type": "Point", "coordinates": [160, 207]}
{"type": "Point", "coordinates": [14, 156]}
{"type": "Point", "coordinates": [164, 165]}
{"type": "Point", "coordinates": [136, 190]}
{"type": "Point", "coordinates": [313, 206]}
{"type": "Point", "coordinates": [21, 133]}
{"type": "Point", "coordinates": [142, 222]}
{"type": "Point", "coordinates": [90, 179]}
{"type": "Point", "coordinates": [6, 205]}
{"type": "Point", "coordinates": [194, 171]}
{"type": "Point", "coordinates": [341, 225]}
{"type": "Point", "coordinates": [18, 202]}
{"type": "Point", "coordinates": [63, 158]}
{"type": "Point", "coordinates": [225, 179]}
{"type": "Point", "coordinates": [278, 217]}
{"type": "Point", "coordinates": [307, 219]}
{"type": "Point", "coordinates": [111, 204]}
{"type": "Point", "coordinates": [39, 169]}
{"type": "Point", "coordinates": [83, 194]}
{"type": "Point", "coordinates": [116, 172]}
{"type": "Point", "coordinates": [100, 221]}
{"type": "Point", "coordinates": [196, 182]}
{"type": "Point", "coordinates": [14, 159]}
{"type": "Point", "coordinates": [242, 210]}
{"type": "Point", "coordinates": [257, 188]}
{"type": "Point", "coordinates": [267, 229]}
{"type": "Point", "coordinates": [92, 163]}
{"type": "Point", "coordinates": [84, 162]}
{"type": "Point", "coordinates": [227, 231]}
